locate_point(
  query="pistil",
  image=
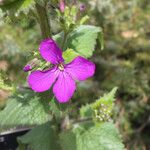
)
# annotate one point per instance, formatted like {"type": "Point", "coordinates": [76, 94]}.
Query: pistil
{"type": "Point", "coordinates": [61, 67]}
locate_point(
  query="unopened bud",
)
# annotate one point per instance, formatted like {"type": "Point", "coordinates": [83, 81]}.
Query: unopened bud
{"type": "Point", "coordinates": [62, 5]}
{"type": "Point", "coordinates": [30, 65]}
{"type": "Point", "coordinates": [27, 68]}
{"type": "Point", "coordinates": [82, 7]}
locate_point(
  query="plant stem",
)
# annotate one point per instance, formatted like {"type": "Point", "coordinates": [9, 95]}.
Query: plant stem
{"type": "Point", "coordinates": [64, 39]}
{"type": "Point", "coordinates": [43, 20]}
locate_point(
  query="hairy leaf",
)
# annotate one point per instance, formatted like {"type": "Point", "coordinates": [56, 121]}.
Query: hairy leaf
{"type": "Point", "coordinates": [106, 99]}
{"type": "Point", "coordinates": [69, 55]}
{"type": "Point", "coordinates": [83, 39]}
{"type": "Point", "coordinates": [102, 137]}
{"type": "Point", "coordinates": [103, 106]}
{"type": "Point", "coordinates": [42, 137]}
{"type": "Point", "coordinates": [24, 109]}
{"type": "Point", "coordinates": [86, 111]}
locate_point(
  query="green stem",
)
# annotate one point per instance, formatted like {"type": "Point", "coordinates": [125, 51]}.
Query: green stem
{"type": "Point", "coordinates": [64, 40]}
{"type": "Point", "coordinates": [43, 20]}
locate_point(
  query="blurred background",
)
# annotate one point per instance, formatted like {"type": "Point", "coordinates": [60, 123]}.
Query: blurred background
{"type": "Point", "coordinates": [124, 62]}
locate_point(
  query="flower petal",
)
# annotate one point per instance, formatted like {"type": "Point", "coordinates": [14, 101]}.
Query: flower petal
{"type": "Point", "coordinates": [41, 81]}
{"type": "Point", "coordinates": [64, 87]}
{"type": "Point", "coordinates": [50, 51]}
{"type": "Point", "coordinates": [80, 68]}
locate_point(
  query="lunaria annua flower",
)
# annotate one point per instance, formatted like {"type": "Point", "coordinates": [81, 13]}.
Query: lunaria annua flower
{"type": "Point", "coordinates": [61, 75]}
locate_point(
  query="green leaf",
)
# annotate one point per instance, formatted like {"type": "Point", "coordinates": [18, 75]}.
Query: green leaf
{"type": "Point", "coordinates": [3, 85]}
{"type": "Point", "coordinates": [43, 137]}
{"type": "Point", "coordinates": [86, 111]}
{"type": "Point", "coordinates": [24, 110]}
{"type": "Point", "coordinates": [17, 5]}
{"type": "Point", "coordinates": [106, 99]}
{"type": "Point", "coordinates": [83, 40]}
{"type": "Point", "coordinates": [102, 137]}
{"type": "Point", "coordinates": [69, 55]}
{"type": "Point", "coordinates": [101, 40]}
{"type": "Point", "coordinates": [58, 38]}
{"type": "Point", "coordinates": [54, 108]}
{"type": "Point", "coordinates": [103, 106]}
{"type": "Point", "coordinates": [68, 140]}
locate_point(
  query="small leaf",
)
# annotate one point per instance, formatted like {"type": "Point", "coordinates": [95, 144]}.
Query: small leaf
{"type": "Point", "coordinates": [103, 106]}
{"type": "Point", "coordinates": [69, 55]}
{"type": "Point", "coordinates": [43, 137]}
{"type": "Point", "coordinates": [84, 19]}
{"type": "Point", "coordinates": [106, 99]}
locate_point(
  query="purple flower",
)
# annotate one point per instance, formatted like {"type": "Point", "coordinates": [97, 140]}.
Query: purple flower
{"type": "Point", "coordinates": [27, 68]}
{"type": "Point", "coordinates": [61, 75]}
{"type": "Point", "coordinates": [62, 5]}
{"type": "Point", "coordinates": [82, 7]}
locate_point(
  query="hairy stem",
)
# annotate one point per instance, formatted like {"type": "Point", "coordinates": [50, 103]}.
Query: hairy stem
{"type": "Point", "coordinates": [43, 20]}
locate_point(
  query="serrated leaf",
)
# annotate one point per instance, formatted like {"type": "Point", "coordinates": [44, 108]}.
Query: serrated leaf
{"type": "Point", "coordinates": [42, 137]}
{"type": "Point", "coordinates": [106, 99]}
{"type": "Point", "coordinates": [86, 111]}
{"type": "Point", "coordinates": [83, 40]}
{"type": "Point", "coordinates": [69, 55]}
{"type": "Point", "coordinates": [68, 140]}
{"type": "Point", "coordinates": [24, 109]}
{"type": "Point", "coordinates": [102, 137]}
{"type": "Point", "coordinates": [17, 5]}
{"type": "Point", "coordinates": [103, 107]}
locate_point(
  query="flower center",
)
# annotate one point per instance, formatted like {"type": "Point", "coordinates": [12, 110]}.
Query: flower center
{"type": "Point", "coordinates": [61, 67]}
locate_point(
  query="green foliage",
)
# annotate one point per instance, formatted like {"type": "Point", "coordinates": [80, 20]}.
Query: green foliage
{"type": "Point", "coordinates": [103, 107]}
{"type": "Point", "coordinates": [83, 39]}
{"type": "Point", "coordinates": [106, 99]}
{"type": "Point", "coordinates": [55, 110]}
{"type": "Point", "coordinates": [3, 85]}
{"type": "Point", "coordinates": [58, 38]}
{"type": "Point", "coordinates": [86, 111]}
{"type": "Point", "coordinates": [69, 55]}
{"type": "Point", "coordinates": [124, 63]}
{"type": "Point", "coordinates": [24, 110]}
{"type": "Point", "coordinates": [17, 5]}
{"type": "Point", "coordinates": [102, 137]}
{"type": "Point", "coordinates": [42, 137]}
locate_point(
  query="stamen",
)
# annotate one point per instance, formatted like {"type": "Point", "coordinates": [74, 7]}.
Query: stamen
{"type": "Point", "coordinates": [61, 67]}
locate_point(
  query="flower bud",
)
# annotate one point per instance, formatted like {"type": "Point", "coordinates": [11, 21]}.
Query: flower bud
{"type": "Point", "coordinates": [31, 64]}
{"type": "Point", "coordinates": [82, 7]}
{"type": "Point", "coordinates": [27, 68]}
{"type": "Point", "coordinates": [62, 5]}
